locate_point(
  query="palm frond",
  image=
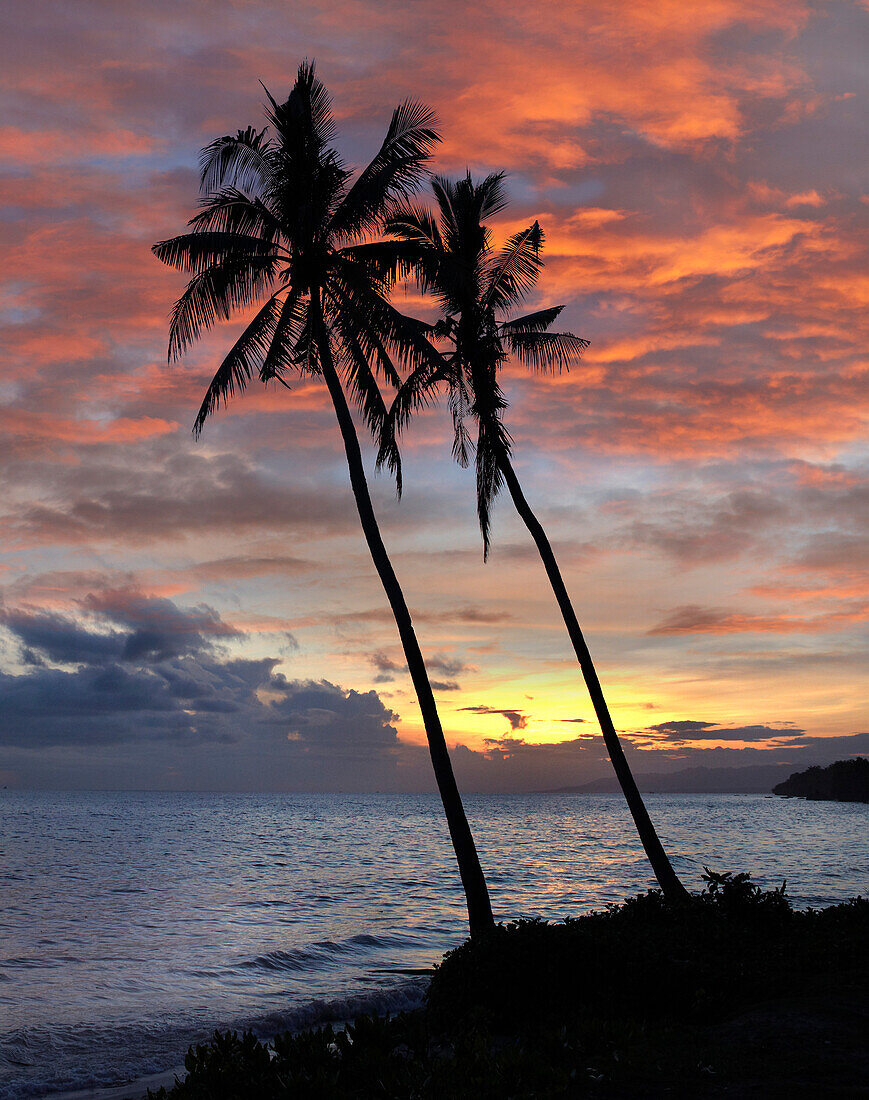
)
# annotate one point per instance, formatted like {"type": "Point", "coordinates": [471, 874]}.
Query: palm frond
{"type": "Point", "coordinates": [195, 252]}
{"type": "Point", "coordinates": [493, 441]}
{"type": "Point", "coordinates": [445, 194]}
{"type": "Point", "coordinates": [395, 172]}
{"type": "Point", "coordinates": [241, 161]}
{"type": "Point", "coordinates": [306, 350]}
{"type": "Point", "coordinates": [230, 211]}
{"type": "Point", "coordinates": [460, 409]}
{"type": "Point", "coordinates": [386, 262]}
{"type": "Point", "coordinates": [463, 205]}
{"type": "Point", "coordinates": [546, 351]}
{"type": "Point", "coordinates": [246, 356]}
{"type": "Point", "coordinates": [215, 294]}
{"type": "Point", "coordinates": [369, 400]}
{"type": "Point", "coordinates": [418, 391]}
{"type": "Point", "coordinates": [428, 260]}
{"type": "Point", "coordinates": [415, 224]}
{"type": "Point", "coordinates": [352, 322]}
{"type": "Point", "coordinates": [288, 347]}
{"type": "Point", "coordinates": [538, 321]}
{"type": "Point", "coordinates": [492, 195]}
{"type": "Point", "coordinates": [306, 114]}
{"type": "Point", "coordinates": [513, 271]}
{"type": "Point", "coordinates": [405, 338]}
{"type": "Point", "coordinates": [309, 179]}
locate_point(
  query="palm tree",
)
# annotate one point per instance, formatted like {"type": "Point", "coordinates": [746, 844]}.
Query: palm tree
{"type": "Point", "coordinates": [454, 260]}
{"type": "Point", "coordinates": [284, 223]}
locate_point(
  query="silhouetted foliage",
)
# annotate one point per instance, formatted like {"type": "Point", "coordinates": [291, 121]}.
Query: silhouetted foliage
{"type": "Point", "coordinates": [627, 999]}
{"type": "Point", "coordinates": [687, 960]}
{"type": "Point", "coordinates": [475, 284]}
{"type": "Point", "coordinates": [844, 781]}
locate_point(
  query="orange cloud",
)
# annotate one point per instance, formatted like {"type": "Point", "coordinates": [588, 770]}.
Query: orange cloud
{"type": "Point", "coordinates": [52, 429]}
{"type": "Point", "coordinates": [651, 66]}
{"type": "Point", "coordinates": [700, 620]}
{"type": "Point", "coordinates": [35, 147]}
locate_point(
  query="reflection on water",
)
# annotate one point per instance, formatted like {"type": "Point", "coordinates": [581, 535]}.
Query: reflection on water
{"type": "Point", "coordinates": [160, 912]}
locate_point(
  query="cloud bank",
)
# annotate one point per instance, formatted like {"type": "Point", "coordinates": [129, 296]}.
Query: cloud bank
{"type": "Point", "coordinates": [140, 692]}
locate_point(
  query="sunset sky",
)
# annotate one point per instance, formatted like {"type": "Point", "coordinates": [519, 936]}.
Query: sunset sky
{"type": "Point", "coordinates": [205, 614]}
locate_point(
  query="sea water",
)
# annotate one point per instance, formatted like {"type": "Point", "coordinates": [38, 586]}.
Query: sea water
{"type": "Point", "coordinates": [133, 924]}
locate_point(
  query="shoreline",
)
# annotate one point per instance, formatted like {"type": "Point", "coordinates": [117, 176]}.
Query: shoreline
{"type": "Point", "coordinates": [133, 1090]}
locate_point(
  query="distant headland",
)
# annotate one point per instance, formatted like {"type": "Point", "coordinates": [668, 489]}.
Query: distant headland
{"type": "Point", "coordinates": [844, 781]}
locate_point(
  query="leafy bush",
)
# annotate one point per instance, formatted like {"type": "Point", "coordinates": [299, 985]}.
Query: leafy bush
{"type": "Point", "coordinates": [696, 960]}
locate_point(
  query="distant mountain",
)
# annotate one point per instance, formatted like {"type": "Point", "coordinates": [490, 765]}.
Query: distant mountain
{"type": "Point", "coordinates": [749, 779]}
{"type": "Point", "coordinates": [844, 781]}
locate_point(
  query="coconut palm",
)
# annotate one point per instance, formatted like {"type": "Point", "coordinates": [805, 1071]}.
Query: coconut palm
{"type": "Point", "coordinates": [285, 226]}
{"type": "Point", "coordinates": [475, 286]}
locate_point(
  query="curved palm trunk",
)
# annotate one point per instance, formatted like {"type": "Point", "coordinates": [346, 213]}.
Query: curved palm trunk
{"type": "Point", "coordinates": [664, 873]}
{"type": "Point", "coordinates": [479, 907]}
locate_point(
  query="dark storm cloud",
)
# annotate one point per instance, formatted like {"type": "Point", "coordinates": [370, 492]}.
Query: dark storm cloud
{"type": "Point", "coordinates": [158, 628]}
{"type": "Point", "coordinates": [326, 718]}
{"type": "Point", "coordinates": [150, 673]}
{"type": "Point", "coordinates": [135, 628]}
{"type": "Point", "coordinates": [111, 703]}
{"type": "Point", "coordinates": [690, 730]}
{"type": "Point", "coordinates": [45, 635]}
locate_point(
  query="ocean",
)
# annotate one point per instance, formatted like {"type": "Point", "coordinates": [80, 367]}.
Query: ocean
{"type": "Point", "coordinates": [132, 924]}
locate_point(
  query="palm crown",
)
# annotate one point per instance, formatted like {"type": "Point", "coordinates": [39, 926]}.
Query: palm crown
{"type": "Point", "coordinates": [452, 257]}
{"type": "Point", "coordinates": [284, 223]}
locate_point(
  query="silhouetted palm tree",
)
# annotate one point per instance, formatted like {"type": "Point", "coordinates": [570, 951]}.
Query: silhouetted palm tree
{"type": "Point", "coordinates": [453, 259]}
{"type": "Point", "coordinates": [282, 220]}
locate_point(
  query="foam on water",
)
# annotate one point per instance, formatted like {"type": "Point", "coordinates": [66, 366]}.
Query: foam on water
{"type": "Point", "coordinates": [38, 1061]}
{"type": "Point", "coordinates": [134, 924]}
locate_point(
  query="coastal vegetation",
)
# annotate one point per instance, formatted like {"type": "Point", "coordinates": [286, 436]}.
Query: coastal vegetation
{"type": "Point", "coordinates": [283, 219]}
{"type": "Point", "coordinates": [475, 285]}
{"type": "Point", "coordinates": [844, 781]}
{"type": "Point", "coordinates": [727, 989]}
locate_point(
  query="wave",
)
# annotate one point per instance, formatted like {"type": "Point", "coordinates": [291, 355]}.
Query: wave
{"type": "Point", "coordinates": [38, 1061]}
{"type": "Point", "coordinates": [324, 953]}
{"type": "Point", "coordinates": [405, 996]}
